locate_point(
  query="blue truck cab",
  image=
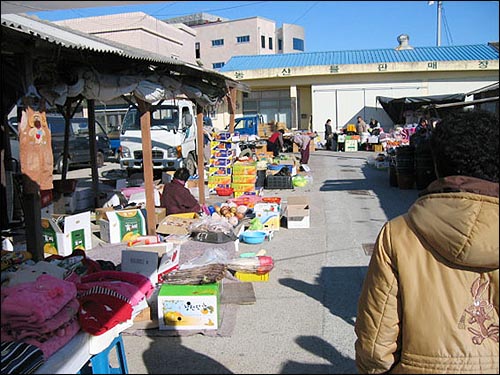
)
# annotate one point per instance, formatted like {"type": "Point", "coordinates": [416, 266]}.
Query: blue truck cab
{"type": "Point", "coordinates": [248, 124]}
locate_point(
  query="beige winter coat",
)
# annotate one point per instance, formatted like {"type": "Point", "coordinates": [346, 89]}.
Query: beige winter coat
{"type": "Point", "coordinates": [430, 299]}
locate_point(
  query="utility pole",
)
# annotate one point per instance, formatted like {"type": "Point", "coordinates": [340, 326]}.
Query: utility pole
{"type": "Point", "coordinates": [439, 6]}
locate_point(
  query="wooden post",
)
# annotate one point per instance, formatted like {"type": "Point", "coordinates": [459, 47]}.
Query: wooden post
{"type": "Point", "coordinates": [231, 101]}
{"type": "Point", "coordinates": [199, 151]}
{"type": "Point", "coordinates": [147, 164]}
{"type": "Point", "coordinates": [67, 124]}
{"type": "Point", "coordinates": [93, 150]}
{"type": "Point", "coordinates": [33, 218]}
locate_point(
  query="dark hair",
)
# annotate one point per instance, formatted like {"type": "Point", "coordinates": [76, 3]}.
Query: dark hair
{"type": "Point", "coordinates": [466, 144]}
{"type": "Point", "coordinates": [282, 131]}
{"type": "Point", "coordinates": [182, 174]}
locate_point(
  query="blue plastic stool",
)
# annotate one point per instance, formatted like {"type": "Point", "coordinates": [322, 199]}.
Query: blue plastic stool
{"type": "Point", "coordinates": [99, 363]}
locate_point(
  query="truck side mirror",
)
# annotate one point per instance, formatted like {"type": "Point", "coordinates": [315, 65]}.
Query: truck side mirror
{"type": "Point", "coordinates": [188, 120]}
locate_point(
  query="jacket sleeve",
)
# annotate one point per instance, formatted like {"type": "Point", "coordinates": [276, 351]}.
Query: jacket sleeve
{"type": "Point", "coordinates": [378, 319]}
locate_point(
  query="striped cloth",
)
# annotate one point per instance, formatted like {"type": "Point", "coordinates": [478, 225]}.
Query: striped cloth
{"type": "Point", "coordinates": [20, 358]}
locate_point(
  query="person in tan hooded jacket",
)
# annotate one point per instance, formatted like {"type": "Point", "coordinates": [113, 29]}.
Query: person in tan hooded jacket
{"type": "Point", "coordinates": [430, 299]}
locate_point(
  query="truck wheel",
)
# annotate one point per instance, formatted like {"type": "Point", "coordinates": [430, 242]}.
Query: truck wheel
{"type": "Point", "coordinates": [99, 159]}
{"type": "Point", "coordinates": [191, 165]}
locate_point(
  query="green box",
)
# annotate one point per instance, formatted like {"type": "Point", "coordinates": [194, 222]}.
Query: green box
{"type": "Point", "coordinates": [189, 307]}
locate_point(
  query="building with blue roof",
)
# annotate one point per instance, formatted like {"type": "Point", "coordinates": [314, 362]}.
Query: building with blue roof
{"type": "Point", "coordinates": [305, 89]}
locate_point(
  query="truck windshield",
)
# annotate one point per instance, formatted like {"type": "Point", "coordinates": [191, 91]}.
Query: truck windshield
{"type": "Point", "coordinates": [166, 118]}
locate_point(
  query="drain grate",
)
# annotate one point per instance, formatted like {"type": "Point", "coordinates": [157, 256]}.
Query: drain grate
{"type": "Point", "coordinates": [359, 192]}
{"type": "Point", "coordinates": [368, 248]}
{"type": "Point", "coordinates": [348, 170]}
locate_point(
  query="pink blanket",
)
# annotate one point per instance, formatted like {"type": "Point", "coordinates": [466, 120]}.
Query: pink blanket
{"type": "Point", "coordinates": [35, 302]}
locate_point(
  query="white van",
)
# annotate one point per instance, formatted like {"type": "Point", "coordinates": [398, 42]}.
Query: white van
{"type": "Point", "coordinates": [173, 137]}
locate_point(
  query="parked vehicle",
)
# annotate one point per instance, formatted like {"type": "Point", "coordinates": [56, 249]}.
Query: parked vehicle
{"type": "Point", "coordinates": [79, 149]}
{"type": "Point", "coordinates": [248, 125]}
{"type": "Point", "coordinates": [79, 145]}
{"type": "Point", "coordinates": [173, 137]}
{"type": "Point", "coordinates": [114, 142]}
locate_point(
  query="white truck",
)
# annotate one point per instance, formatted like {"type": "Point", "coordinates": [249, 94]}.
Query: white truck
{"type": "Point", "coordinates": [173, 137]}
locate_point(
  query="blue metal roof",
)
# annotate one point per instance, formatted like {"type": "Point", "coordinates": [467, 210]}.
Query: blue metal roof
{"type": "Point", "coordinates": [372, 56]}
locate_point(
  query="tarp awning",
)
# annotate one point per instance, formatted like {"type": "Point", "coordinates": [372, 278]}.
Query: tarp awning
{"type": "Point", "coordinates": [395, 107]}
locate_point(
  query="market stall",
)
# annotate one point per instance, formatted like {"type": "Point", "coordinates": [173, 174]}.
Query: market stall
{"type": "Point", "coordinates": [120, 279]}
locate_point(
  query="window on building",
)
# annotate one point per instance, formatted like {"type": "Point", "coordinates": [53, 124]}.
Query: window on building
{"type": "Point", "coordinates": [280, 45]}
{"type": "Point", "coordinates": [272, 104]}
{"type": "Point", "coordinates": [217, 65]}
{"type": "Point", "coordinates": [243, 39]}
{"type": "Point", "coordinates": [217, 42]}
{"type": "Point", "coordinates": [270, 43]}
{"type": "Point", "coordinates": [298, 44]}
{"type": "Point", "coordinates": [263, 41]}
{"type": "Point", "coordinates": [197, 50]}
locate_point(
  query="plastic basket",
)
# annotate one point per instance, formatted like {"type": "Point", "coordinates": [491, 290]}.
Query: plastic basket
{"type": "Point", "coordinates": [278, 182]}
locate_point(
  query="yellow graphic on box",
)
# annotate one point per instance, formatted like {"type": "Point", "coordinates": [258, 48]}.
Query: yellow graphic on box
{"type": "Point", "coordinates": [131, 225]}
{"type": "Point", "coordinates": [49, 238]}
{"type": "Point", "coordinates": [186, 313]}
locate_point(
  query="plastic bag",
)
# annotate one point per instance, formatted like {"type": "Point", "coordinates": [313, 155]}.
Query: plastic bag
{"type": "Point", "coordinates": [213, 255]}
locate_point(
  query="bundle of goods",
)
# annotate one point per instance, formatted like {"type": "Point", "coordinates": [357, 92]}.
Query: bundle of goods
{"type": "Point", "coordinates": [258, 264]}
{"type": "Point", "coordinates": [206, 274]}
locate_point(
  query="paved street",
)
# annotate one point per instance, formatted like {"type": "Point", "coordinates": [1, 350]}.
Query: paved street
{"type": "Point", "coordinates": [303, 317]}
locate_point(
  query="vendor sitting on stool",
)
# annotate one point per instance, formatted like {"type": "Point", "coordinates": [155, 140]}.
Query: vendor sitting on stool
{"type": "Point", "coordinates": [176, 198]}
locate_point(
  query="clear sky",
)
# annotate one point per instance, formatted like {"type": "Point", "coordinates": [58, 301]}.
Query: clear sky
{"type": "Point", "coordinates": [338, 25]}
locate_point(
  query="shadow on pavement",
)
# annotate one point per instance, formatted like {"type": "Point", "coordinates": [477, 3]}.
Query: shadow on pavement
{"type": "Point", "coordinates": [393, 200]}
{"type": "Point", "coordinates": [338, 289]}
{"type": "Point", "coordinates": [167, 355]}
{"type": "Point", "coordinates": [340, 364]}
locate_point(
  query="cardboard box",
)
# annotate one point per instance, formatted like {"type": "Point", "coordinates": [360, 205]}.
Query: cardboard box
{"type": "Point", "coordinates": [142, 262]}
{"type": "Point", "coordinates": [269, 214]}
{"type": "Point", "coordinates": [189, 307]}
{"type": "Point", "coordinates": [169, 262]}
{"type": "Point", "coordinates": [298, 212]}
{"type": "Point", "coordinates": [160, 248]}
{"type": "Point", "coordinates": [77, 234]}
{"type": "Point", "coordinates": [177, 224]}
{"type": "Point", "coordinates": [160, 214]}
{"type": "Point", "coordinates": [144, 316]}
{"type": "Point", "coordinates": [351, 145]}
{"type": "Point", "coordinates": [122, 225]}
{"type": "Point", "coordinates": [100, 213]}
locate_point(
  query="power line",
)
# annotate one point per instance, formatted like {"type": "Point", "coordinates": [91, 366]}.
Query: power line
{"type": "Point", "coordinates": [209, 10]}
{"type": "Point", "coordinates": [307, 11]}
{"type": "Point", "coordinates": [447, 29]}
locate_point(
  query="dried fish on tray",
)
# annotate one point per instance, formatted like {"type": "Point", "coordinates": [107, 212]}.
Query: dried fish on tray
{"type": "Point", "coordinates": [206, 274]}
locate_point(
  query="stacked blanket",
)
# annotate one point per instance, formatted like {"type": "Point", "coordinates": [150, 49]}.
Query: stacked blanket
{"type": "Point", "coordinates": [42, 313]}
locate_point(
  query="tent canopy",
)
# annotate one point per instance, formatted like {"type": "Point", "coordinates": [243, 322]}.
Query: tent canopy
{"type": "Point", "coordinates": [395, 107]}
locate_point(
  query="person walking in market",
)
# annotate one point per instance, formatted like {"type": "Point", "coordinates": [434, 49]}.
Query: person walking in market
{"type": "Point", "coordinates": [430, 299]}
{"type": "Point", "coordinates": [328, 135]}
